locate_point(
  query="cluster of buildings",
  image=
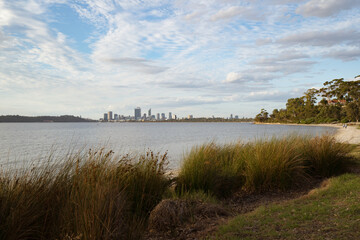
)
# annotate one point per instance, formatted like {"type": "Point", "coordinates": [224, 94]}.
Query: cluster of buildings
{"type": "Point", "coordinates": [109, 116]}
{"type": "Point", "coordinates": [138, 116]}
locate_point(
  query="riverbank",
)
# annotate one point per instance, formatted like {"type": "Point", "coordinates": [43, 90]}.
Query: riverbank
{"type": "Point", "coordinates": [350, 134]}
{"type": "Point", "coordinates": [99, 195]}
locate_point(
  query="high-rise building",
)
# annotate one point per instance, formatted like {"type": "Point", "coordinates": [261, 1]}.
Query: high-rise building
{"type": "Point", "coordinates": [116, 117]}
{"type": "Point", "coordinates": [190, 117]}
{"type": "Point", "coordinates": [163, 116]}
{"type": "Point", "coordinates": [158, 116]}
{"type": "Point", "coordinates": [231, 116]}
{"type": "Point", "coordinates": [137, 113]}
{"type": "Point", "coordinates": [110, 117]}
{"type": "Point", "coordinates": [170, 115]}
{"type": "Point", "coordinates": [149, 114]}
{"type": "Point", "coordinates": [105, 117]}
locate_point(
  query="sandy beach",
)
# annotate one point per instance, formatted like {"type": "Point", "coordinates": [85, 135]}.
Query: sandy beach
{"type": "Point", "coordinates": [351, 134]}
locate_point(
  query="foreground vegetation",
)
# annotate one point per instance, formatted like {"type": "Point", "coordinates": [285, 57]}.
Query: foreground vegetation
{"type": "Point", "coordinates": [97, 195]}
{"type": "Point", "coordinates": [90, 196]}
{"type": "Point", "coordinates": [340, 103]}
{"type": "Point", "coordinates": [331, 212]}
{"type": "Point", "coordinates": [278, 163]}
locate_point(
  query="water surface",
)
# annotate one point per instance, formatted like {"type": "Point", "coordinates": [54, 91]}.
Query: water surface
{"type": "Point", "coordinates": [21, 142]}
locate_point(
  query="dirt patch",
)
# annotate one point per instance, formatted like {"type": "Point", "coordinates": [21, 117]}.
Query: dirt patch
{"type": "Point", "coordinates": [189, 219]}
{"type": "Point", "coordinates": [184, 219]}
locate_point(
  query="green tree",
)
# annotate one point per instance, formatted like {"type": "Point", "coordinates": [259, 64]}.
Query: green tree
{"type": "Point", "coordinates": [295, 108]}
{"type": "Point", "coordinates": [345, 90]}
{"type": "Point", "coordinates": [310, 109]}
{"type": "Point", "coordinates": [353, 111]}
{"type": "Point", "coordinates": [263, 116]}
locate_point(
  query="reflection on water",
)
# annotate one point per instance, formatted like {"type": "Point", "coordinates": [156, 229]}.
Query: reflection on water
{"type": "Point", "coordinates": [28, 141]}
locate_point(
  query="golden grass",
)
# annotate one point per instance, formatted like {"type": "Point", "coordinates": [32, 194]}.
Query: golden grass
{"type": "Point", "coordinates": [262, 165]}
{"type": "Point", "coordinates": [90, 196]}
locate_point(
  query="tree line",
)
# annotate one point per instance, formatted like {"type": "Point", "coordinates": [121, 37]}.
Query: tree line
{"type": "Point", "coordinates": [63, 118]}
{"type": "Point", "coordinates": [339, 102]}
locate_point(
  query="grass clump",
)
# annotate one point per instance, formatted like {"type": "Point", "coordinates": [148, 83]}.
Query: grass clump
{"type": "Point", "coordinates": [94, 195]}
{"type": "Point", "coordinates": [262, 165]}
{"type": "Point", "coordinates": [274, 164]}
{"type": "Point", "coordinates": [325, 157]}
{"type": "Point", "coordinates": [213, 169]}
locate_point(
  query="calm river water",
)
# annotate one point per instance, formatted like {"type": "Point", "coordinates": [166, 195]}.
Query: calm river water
{"type": "Point", "coordinates": [20, 142]}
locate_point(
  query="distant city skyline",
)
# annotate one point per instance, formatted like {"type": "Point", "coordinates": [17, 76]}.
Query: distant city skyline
{"type": "Point", "coordinates": [111, 116]}
{"type": "Point", "coordinates": [200, 58]}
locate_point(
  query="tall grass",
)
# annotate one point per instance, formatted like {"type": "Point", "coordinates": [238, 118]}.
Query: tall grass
{"type": "Point", "coordinates": [274, 164]}
{"type": "Point", "coordinates": [211, 168]}
{"type": "Point", "coordinates": [325, 157]}
{"type": "Point", "coordinates": [90, 196]}
{"type": "Point", "coordinates": [277, 163]}
{"type": "Point", "coordinates": [97, 195]}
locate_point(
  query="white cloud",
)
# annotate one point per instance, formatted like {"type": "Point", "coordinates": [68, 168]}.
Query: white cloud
{"type": "Point", "coordinates": [323, 37]}
{"type": "Point", "coordinates": [237, 11]}
{"type": "Point", "coordinates": [326, 8]}
{"type": "Point", "coordinates": [247, 77]}
{"type": "Point", "coordinates": [176, 54]}
{"type": "Point", "coordinates": [343, 53]}
{"type": "Point", "coordinates": [5, 14]}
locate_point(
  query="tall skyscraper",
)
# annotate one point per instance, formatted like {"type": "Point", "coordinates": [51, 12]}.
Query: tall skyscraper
{"type": "Point", "coordinates": [163, 116]}
{"type": "Point", "coordinates": [149, 113]}
{"type": "Point", "coordinates": [116, 117]}
{"type": "Point", "coordinates": [105, 117]}
{"type": "Point", "coordinates": [110, 117]}
{"type": "Point", "coordinates": [158, 116]}
{"type": "Point", "coordinates": [137, 113]}
{"type": "Point", "coordinates": [170, 115]}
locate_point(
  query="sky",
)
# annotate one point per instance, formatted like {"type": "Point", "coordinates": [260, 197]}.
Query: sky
{"type": "Point", "coordinates": [200, 57]}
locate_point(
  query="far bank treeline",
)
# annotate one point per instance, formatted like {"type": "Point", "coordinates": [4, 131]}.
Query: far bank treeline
{"type": "Point", "coordinates": [337, 101]}
{"type": "Point", "coordinates": [63, 118]}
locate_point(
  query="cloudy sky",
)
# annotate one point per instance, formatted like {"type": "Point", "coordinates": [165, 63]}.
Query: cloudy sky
{"type": "Point", "coordinates": [200, 57]}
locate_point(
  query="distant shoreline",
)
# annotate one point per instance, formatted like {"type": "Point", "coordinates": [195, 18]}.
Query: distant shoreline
{"type": "Point", "coordinates": [335, 125]}
{"type": "Point", "coordinates": [42, 119]}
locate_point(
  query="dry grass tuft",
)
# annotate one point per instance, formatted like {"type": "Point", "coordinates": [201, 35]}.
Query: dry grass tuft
{"type": "Point", "coordinates": [94, 195]}
{"type": "Point", "coordinates": [263, 165]}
